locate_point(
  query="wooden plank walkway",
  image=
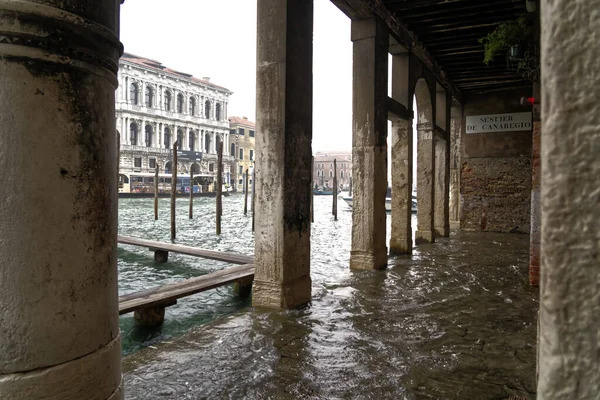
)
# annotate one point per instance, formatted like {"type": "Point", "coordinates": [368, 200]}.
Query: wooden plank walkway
{"type": "Point", "coordinates": [188, 250]}
{"type": "Point", "coordinates": [166, 295]}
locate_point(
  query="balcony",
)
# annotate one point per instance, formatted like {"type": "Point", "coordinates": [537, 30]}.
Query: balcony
{"type": "Point", "coordinates": [144, 149]}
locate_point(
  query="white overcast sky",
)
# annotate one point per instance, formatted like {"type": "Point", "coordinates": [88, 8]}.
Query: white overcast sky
{"type": "Point", "coordinates": [218, 39]}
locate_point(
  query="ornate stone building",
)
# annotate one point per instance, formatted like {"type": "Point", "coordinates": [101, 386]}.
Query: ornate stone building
{"type": "Point", "coordinates": [323, 169]}
{"type": "Point", "coordinates": [242, 148]}
{"type": "Point", "coordinates": [156, 105]}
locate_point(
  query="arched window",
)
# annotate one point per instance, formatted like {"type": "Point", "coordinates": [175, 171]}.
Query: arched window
{"type": "Point", "coordinates": [191, 140]}
{"type": "Point", "coordinates": [232, 149]}
{"type": "Point", "coordinates": [168, 167]}
{"type": "Point", "coordinates": [331, 174]}
{"type": "Point", "coordinates": [133, 133]}
{"type": "Point", "coordinates": [149, 96]}
{"type": "Point", "coordinates": [192, 106]}
{"type": "Point", "coordinates": [207, 143]}
{"type": "Point", "coordinates": [207, 109]}
{"type": "Point", "coordinates": [218, 112]}
{"type": "Point", "coordinates": [179, 138]}
{"type": "Point", "coordinates": [168, 98]}
{"type": "Point", "coordinates": [195, 168]}
{"type": "Point", "coordinates": [133, 93]}
{"type": "Point", "coordinates": [218, 140]}
{"type": "Point", "coordinates": [148, 136]}
{"type": "Point", "coordinates": [167, 138]}
{"type": "Point", "coordinates": [180, 103]}
{"type": "Point", "coordinates": [342, 174]}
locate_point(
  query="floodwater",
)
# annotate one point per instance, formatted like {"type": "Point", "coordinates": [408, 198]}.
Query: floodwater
{"type": "Point", "coordinates": [456, 320]}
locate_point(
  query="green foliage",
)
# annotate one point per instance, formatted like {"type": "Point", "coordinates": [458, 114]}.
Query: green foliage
{"type": "Point", "coordinates": [505, 35]}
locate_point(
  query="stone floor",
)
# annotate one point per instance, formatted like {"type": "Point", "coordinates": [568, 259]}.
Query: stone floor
{"type": "Point", "coordinates": [457, 320]}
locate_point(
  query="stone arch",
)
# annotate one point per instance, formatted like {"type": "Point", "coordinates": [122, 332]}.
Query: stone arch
{"type": "Point", "coordinates": [180, 103]}
{"type": "Point", "coordinates": [168, 166]}
{"type": "Point", "coordinates": [218, 111]}
{"type": "Point", "coordinates": [134, 131]}
{"type": "Point", "coordinates": [232, 150]}
{"type": "Point", "coordinates": [149, 97]}
{"type": "Point", "coordinates": [134, 90]}
{"type": "Point", "coordinates": [195, 168]}
{"type": "Point", "coordinates": [167, 100]}
{"type": "Point", "coordinates": [167, 137]}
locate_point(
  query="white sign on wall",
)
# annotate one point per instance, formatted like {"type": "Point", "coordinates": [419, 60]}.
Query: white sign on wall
{"type": "Point", "coordinates": [499, 123]}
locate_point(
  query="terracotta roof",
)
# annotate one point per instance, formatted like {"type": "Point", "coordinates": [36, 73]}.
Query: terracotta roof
{"type": "Point", "coordinates": [159, 67]}
{"type": "Point", "coordinates": [241, 121]}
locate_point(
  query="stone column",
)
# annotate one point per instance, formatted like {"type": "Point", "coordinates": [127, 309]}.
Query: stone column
{"type": "Point", "coordinates": [369, 143]}
{"type": "Point", "coordinates": [455, 165]}
{"type": "Point", "coordinates": [425, 184]}
{"type": "Point", "coordinates": [213, 142]}
{"type": "Point", "coordinates": [569, 361]}
{"type": "Point", "coordinates": [202, 149]}
{"type": "Point", "coordinates": [59, 325]}
{"type": "Point", "coordinates": [442, 227]}
{"type": "Point", "coordinates": [536, 206]}
{"type": "Point", "coordinates": [402, 162]}
{"type": "Point", "coordinates": [284, 118]}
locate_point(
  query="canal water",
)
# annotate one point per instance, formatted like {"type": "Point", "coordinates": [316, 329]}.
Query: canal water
{"type": "Point", "coordinates": [456, 320]}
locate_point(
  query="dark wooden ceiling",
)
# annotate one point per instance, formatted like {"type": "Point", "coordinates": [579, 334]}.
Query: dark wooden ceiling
{"type": "Point", "coordinates": [450, 31]}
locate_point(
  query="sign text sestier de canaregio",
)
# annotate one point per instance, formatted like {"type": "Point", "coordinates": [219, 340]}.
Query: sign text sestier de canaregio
{"type": "Point", "coordinates": [499, 122]}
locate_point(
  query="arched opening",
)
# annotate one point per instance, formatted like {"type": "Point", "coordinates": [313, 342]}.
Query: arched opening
{"type": "Point", "coordinates": [167, 138]}
{"type": "Point", "coordinates": [192, 106]}
{"type": "Point", "coordinates": [134, 93]}
{"type": "Point", "coordinates": [133, 133]}
{"type": "Point", "coordinates": [149, 96]}
{"type": "Point", "coordinates": [207, 109]}
{"type": "Point", "coordinates": [232, 150]}
{"type": "Point", "coordinates": [179, 138]}
{"type": "Point", "coordinates": [207, 143]}
{"type": "Point", "coordinates": [219, 139]}
{"type": "Point", "coordinates": [167, 100]}
{"type": "Point", "coordinates": [180, 103]}
{"type": "Point", "coordinates": [195, 168]}
{"type": "Point", "coordinates": [148, 136]}
{"type": "Point", "coordinates": [191, 140]}
{"type": "Point", "coordinates": [168, 167]}
{"type": "Point", "coordinates": [218, 112]}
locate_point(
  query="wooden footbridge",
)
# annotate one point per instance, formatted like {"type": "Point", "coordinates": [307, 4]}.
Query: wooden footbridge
{"type": "Point", "coordinates": [149, 305]}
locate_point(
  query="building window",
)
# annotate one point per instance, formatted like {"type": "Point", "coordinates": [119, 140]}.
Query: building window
{"type": "Point", "coordinates": [342, 174]}
{"type": "Point", "coordinates": [331, 174]}
{"type": "Point", "coordinates": [218, 112]}
{"type": "Point", "coordinates": [232, 150]}
{"type": "Point", "coordinates": [133, 93]}
{"type": "Point", "coordinates": [241, 154]}
{"type": "Point", "coordinates": [148, 136]}
{"type": "Point", "coordinates": [192, 106]}
{"type": "Point", "coordinates": [251, 133]}
{"type": "Point", "coordinates": [168, 98]}
{"type": "Point", "coordinates": [207, 143]}
{"type": "Point", "coordinates": [211, 167]}
{"type": "Point", "coordinates": [241, 169]}
{"type": "Point", "coordinates": [152, 163]}
{"type": "Point", "coordinates": [137, 162]}
{"type": "Point", "coordinates": [191, 140]}
{"type": "Point", "coordinates": [232, 132]}
{"type": "Point", "coordinates": [179, 138]}
{"type": "Point", "coordinates": [149, 96]}
{"type": "Point", "coordinates": [330, 166]}
{"type": "Point", "coordinates": [241, 131]}
{"type": "Point", "coordinates": [241, 182]}
{"type": "Point", "coordinates": [180, 103]}
{"type": "Point", "coordinates": [167, 138]}
{"type": "Point", "coordinates": [207, 109]}
{"type": "Point", "coordinates": [251, 155]}
{"type": "Point", "coordinates": [133, 133]}
{"type": "Point", "coordinates": [168, 167]}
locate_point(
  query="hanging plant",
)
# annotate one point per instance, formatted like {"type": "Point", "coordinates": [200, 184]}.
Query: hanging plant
{"type": "Point", "coordinates": [511, 35]}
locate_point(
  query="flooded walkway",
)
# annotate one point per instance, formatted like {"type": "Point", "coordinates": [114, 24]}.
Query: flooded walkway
{"type": "Point", "coordinates": [455, 321]}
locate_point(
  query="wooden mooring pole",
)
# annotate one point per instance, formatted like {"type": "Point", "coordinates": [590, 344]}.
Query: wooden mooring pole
{"type": "Point", "coordinates": [191, 193]}
{"type": "Point", "coordinates": [173, 189]}
{"type": "Point", "coordinates": [350, 188]}
{"type": "Point", "coordinates": [156, 193]}
{"type": "Point", "coordinates": [253, 194]}
{"type": "Point", "coordinates": [219, 186]}
{"type": "Point", "coordinates": [334, 206]}
{"type": "Point", "coordinates": [246, 193]}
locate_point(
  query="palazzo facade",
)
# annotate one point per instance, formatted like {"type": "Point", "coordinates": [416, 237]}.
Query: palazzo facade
{"type": "Point", "coordinates": [155, 106]}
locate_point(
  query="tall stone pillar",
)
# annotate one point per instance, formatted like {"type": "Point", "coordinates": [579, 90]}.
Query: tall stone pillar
{"type": "Point", "coordinates": [455, 166]}
{"type": "Point", "coordinates": [59, 325]}
{"type": "Point", "coordinates": [284, 119]}
{"type": "Point", "coordinates": [441, 223]}
{"type": "Point", "coordinates": [569, 363]}
{"type": "Point", "coordinates": [369, 143]}
{"type": "Point", "coordinates": [425, 184]}
{"type": "Point", "coordinates": [402, 161]}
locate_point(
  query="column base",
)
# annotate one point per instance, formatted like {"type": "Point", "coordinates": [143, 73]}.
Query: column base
{"type": "Point", "coordinates": [96, 375]}
{"type": "Point", "coordinates": [368, 260]}
{"type": "Point", "coordinates": [454, 225]}
{"type": "Point", "coordinates": [422, 237]}
{"type": "Point", "coordinates": [442, 232]}
{"type": "Point", "coordinates": [401, 247]}
{"type": "Point", "coordinates": [279, 295]}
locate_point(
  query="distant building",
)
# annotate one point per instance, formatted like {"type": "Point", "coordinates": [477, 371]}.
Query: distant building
{"type": "Point", "coordinates": [242, 147]}
{"type": "Point", "coordinates": [323, 169]}
{"type": "Point", "coordinates": [155, 106]}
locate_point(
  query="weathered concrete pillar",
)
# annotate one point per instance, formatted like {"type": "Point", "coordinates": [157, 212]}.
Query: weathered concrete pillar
{"type": "Point", "coordinates": [283, 162]}
{"type": "Point", "coordinates": [455, 152]}
{"type": "Point", "coordinates": [425, 184]}
{"type": "Point", "coordinates": [402, 161]}
{"type": "Point", "coordinates": [535, 236]}
{"type": "Point", "coordinates": [442, 226]}
{"type": "Point", "coordinates": [569, 364]}
{"type": "Point", "coordinates": [369, 143]}
{"type": "Point", "coordinates": [59, 326]}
